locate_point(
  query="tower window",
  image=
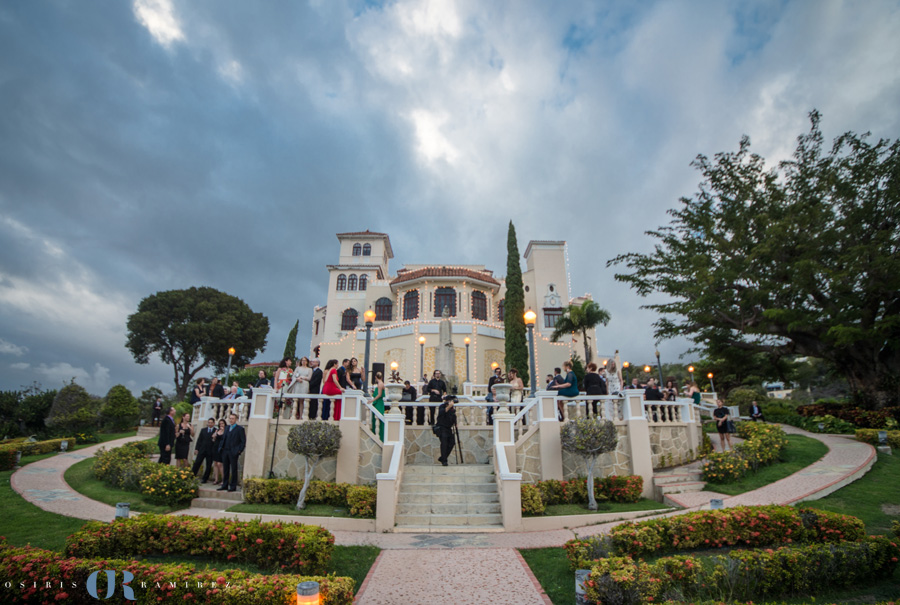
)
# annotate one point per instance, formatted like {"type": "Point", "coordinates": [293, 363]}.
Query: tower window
{"type": "Point", "coordinates": [349, 319]}
{"type": "Point", "coordinates": [479, 305]}
{"type": "Point", "coordinates": [363, 282]}
{"type": "Point", "coordinates": [411, 305]}
{"type": "Point", "coordinates": [357, 249]}
{"type": "Point", "coordinates": [351, 282]}
{"type": "Point", "coordinates": [367, 250]}
{"type": "Point", "coordinates": [444, 297]}
{"type": "Point", "coordinates": [384, 309]}
{"type": "Point", "coordinates": [342, 282]}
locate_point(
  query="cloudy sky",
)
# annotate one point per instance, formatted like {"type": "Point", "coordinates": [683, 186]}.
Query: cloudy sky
{"type": "Point", "coordinates": [161, 144]}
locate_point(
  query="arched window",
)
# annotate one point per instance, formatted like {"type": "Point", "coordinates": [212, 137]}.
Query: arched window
{"type": "Point", "coordinates": [363, 282]}
{"type": "Point", "coordinates": [479, 305]}
{"type": "Point", "coordinates": [357, 249]}
{"type": "Point", "coordinates": [351, 282]}
{"type": "Point", "coordinates": [411, 304]}
{"type": "Point", "coordinates": [501, 310]}
{"type": "Point", "coordinates": [444, 297]}
{"type": "Point", "coordinates": [384, 309]}
{"type": "Point", "coordinates": [342, 282]}
{"type": "Point", "coordinates": [367, 249]}
{"type": "Point", "coordinates": [349, 319]}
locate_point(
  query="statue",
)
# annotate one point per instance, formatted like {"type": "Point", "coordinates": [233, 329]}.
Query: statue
{"type": "Point", "coordinates": [446, 354]}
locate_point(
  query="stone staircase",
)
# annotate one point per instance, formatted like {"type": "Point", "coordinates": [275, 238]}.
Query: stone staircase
{"type": "Point", "coordinates": [147, 432]}
{"type": "Point", "coordinates": [216, 500]}
{"type": "Point", "coordinates": [452, 498]}
{"type": "Point", "coordinates": [677, 481]}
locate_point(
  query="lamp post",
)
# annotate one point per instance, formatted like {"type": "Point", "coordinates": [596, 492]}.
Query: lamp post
{"type": "Point", "coordinates": [627, 365]}
{"type": "Point", "coordinates": [228, 376]}
{"type": "Point", "coordinates": [530, 317]}
{"type": "Point", "coordinates": [659, 365]}
{"type": "Point", "coordinates": [422, 355]}
{"type": "Point", "coordinates": [369, 316]}
{"type": "Point", "coordinates": [467, 340]}
{"type": "Point", "coordinates": [712, 386]}
{"type": "Point", "coordinates": [691, 370]}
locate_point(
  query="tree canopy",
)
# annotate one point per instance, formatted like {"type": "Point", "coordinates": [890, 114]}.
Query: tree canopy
{"type": "Point", "coordinates": [193, 329]}
{"type": "Point", "coordinates": [580, 318]}
{"type": "Point", "coordinates": [514, 309]}
{"type": "Point", "coordinates": [799, 259]}
{"type": "Point", "coordinates": [290, 346]}
{"type": "Point", "coordinates": [589, 438]}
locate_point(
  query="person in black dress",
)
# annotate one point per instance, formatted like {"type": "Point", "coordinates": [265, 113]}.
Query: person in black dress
{"type": "Point", "coordinates": [721, 416]}
{"type": "Point", "coordinates": [184, 434]}
{"type": "Point", "coordinates": [218, 438]}
{"type": "Point", "coordinates": [356, 374]}
{"type": "Point", "coordinates": [437, 388]}
{"type": "Point", "coordinates": [593, 384]}
{"type": "Point", "coordinates": [446, 421]}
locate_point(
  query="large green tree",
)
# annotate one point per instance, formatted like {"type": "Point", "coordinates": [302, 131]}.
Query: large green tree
{"type": "Point", "coordinates": [192, 329]}
{"type": "Point", "coordinates": [799, 259]}
{"type": "Point", "coordinates": [580, 318]}
{"type": "Point", "coordinates": [514, 309]}
{"type": "Point", "coordinates": [290, 347]}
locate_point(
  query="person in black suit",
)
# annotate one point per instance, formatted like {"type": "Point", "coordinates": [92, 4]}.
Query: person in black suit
{"type": "Point", "coordinates": [437, 388]}
{"type": "Point", "coordinates": [167, 437]}
{"type": "Point", "coordinates": [343, 375]}
{"type": "Point", "coordinates": [235, 441]}
{"type": "Point", "coordinates": [756, 412]}
{"type": "Point", "coordinates": [204, 449]}
{"type": "Point", "coordinates": [315, 387]}
{"type": "Point", "coordinates": [446, 421]}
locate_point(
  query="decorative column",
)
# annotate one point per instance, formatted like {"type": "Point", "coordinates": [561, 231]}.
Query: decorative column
{"type": "Point", "coordinates": [348, 454]}
{"type": "Point", "coordinates": [259, 443]}
{"type": "Point", "coordinates": [548, 435]}
{"type": "Point", "coordinates": [639, 439]}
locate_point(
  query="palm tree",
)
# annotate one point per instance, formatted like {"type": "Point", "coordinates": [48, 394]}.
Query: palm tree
{"type": "Point", "coordinates": [580, 319]}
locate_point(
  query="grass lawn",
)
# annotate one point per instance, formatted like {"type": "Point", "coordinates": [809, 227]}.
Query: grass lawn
{"type": "Point", "coordinates": [551, 567]}
{"type": "Point", "coordinates": [875, 498]}
{"type": "Point", "coordinates": [80, 477]}
{"type": "Point", "coordinates": [311, 510]}
{"type": "Point", "coordinates": [556, 510]}
{"type": "Point", "coordinates": [800, 452]}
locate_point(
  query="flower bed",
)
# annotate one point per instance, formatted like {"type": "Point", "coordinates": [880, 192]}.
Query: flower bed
{"type": "Point", "coordinates": [574, 491]}
{"type": "Point", "coordinates": [28, 448]}
{"type": "Point", "coordinates": [360, 499]}
{"type": "Point", "coordinates": [739, 526]}
{"type": "Point", "coordinates": [163, 582]}
{"type": "Point", "coordinates": [763, 444]}
{"type": "Point", "coordinates": [284, 547]}
{"type": "Point", "coordinates": [744, 574]}
{"type": "Point", "coordinates": [128, 467]}
{"type": "Point", "coordinates": [870, 436]}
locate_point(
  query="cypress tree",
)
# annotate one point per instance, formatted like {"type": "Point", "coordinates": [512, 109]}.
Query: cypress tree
{"type": "Point", "coordinates": [290, 347]}
{"type": "Point", "coordinates": [514, 322]}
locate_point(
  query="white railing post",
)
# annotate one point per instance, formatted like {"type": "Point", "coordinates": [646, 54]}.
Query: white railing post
{"type": "Point", "coordinates": [392, 456]}
{"type": "Point", "coordinates": [509, 482]}
{"type": "Point", "coordinates": [639, 439]}
{"type": "Point", "coordinates": [348, 454]}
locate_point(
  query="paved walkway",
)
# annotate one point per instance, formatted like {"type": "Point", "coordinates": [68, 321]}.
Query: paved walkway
{"type": "Point", "coordinates": [480, 567]}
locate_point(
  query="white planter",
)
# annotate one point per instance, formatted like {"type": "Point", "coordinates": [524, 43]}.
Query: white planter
{"type": "Point", "coordinates": [501, 392]}
{"type": "Point", "coordinates": [393, 391]}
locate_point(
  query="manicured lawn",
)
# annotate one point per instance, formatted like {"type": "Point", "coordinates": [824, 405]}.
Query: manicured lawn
{"type": "Point", "coordinates": [555, 510]}
{"type": "Point", "coordinates": [311, 510]}
{"type": "Point", "coordinates": [800, 452]}
{"type": "Point", "coordinates": [80, 477]}
{"type": "Point", "coordinates": [875, 498]}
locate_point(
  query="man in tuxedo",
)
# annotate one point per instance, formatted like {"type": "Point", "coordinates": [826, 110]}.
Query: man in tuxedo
{"type": "Point", "coordinates": [204, 449]}
{"type": "Point", "coordinates": [756, 412]}
{"type": "Point", "coordinates": [167, 437]}
{"type": "Point", "coordinates": [315, 387]}
{"type": "Point", "coordinates": [235, 441]}
{"type": "Point", "coordinates": [342, 374]}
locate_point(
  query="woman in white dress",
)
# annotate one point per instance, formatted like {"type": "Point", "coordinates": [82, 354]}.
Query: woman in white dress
{"type": "Point", "coordinates": [613, 382]}
{"type": "Point", "coordinates": [517, 392]}
{"type": "Point", "coordinates": [300, 385]}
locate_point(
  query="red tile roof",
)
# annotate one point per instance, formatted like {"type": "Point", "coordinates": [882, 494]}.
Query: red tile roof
{"type": "Point", "coordinates": [405, 276]}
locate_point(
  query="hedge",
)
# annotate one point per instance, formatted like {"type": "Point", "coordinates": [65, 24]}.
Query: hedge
{"type": "Point", "coordinates": [627, 488]}
{"type": "Point", "coordinates": [743, 574]}
{"type": "Point", "coordinates": [28, 448]}
{"type": "Point", "coordinates": [275, 546]}
{"type": "Point", "coordinates": [360, 499]}
{"type": "Point", "coordinates": [164, 582]}
{"type": "Point", "coordinates": [128, 467]}
{"type": "Point", "coordinates": [763, 444]}
{"type": "Point", "coordinates": [870, 436]}
{"type": "Point", "coordinates": [864, 419]}
{"type": "Point", "coordinates": [741, 525]}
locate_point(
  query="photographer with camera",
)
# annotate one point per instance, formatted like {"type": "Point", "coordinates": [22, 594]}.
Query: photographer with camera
{"type": "Point", "coordinates": [445, 425]}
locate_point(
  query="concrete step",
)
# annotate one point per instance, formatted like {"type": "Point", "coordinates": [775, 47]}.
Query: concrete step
{"type": "Point", "coordinates": [146, 432]}
{"type": "Point", "coordinates": [434, 520]}
{"type": "Point", "coordinates": [448, 488]}
{"type": "Point", "coordinates": [462, 508]}
{"type": "Point", "coordinates": [680, 488]}
{"type": "Point", "coordinates": [213, 503]}
{"type": "Point", "coordinates": [428, 498]}
{"type": "Point", "coordinates": [212, 492]}
{"type": "Point", "coordinates": [676, 478]}
{"type": "Point", "coordinates": [415, 470]}
{"type": "Point", "coordinates": [448, 529]}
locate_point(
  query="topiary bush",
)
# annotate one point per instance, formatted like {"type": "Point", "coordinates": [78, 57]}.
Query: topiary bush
{"type": "Point", "coordinates": [314, 440]}
{"type": "Point", "coordinates": [276, 546]}
{"type": "Point", "coordinates": [589, 438]}
{"type": "Point", "coordinates": [168, 485]}
{"type": "Point", "coordinates": [120, 409]}
{"type": "Point", "coordinates": [73, 410]}
{"type": "Point", "coordinates": [532, 503]}
{"type": "Point", "coordinates": [362, 499]}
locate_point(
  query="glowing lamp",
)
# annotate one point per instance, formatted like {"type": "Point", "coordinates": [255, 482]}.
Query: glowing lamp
{"type": "Point", "coordinates": [231, 351]}
{"type": "Point", "coordinates": [495, 365]}
{"type": "Point", "coordinates": [421, 340]}
{"type": "Point", "coordinates": [603, 363]}
{"type": "Point", "coordinates": [709, 375]}
{"type": "Point", "coordinates": [308, 593]}
{"type": "Point", "coordinates": [691, 369]}
{"type": "Point", "coordinates": [530, 317]}
{"type": "Point", "coordinates": [369, 316]}
{"type": "Point", "coordinates": [647, 369]}
{"type": "Point", "coordinates": [467, 340]}
{"type": "Point", "coordinates": [626, 364]}
{"type": "Point", "coordinates": [394, 366]}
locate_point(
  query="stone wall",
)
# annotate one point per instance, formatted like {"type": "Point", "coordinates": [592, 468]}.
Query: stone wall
{"type": "Point", "coordinates": [369, 457]}
{"type": "Point", "coordinates": [423, 447]}
{"type": "Point", "coordinates": [669, 445]}
{"type": "Point", "coordinates": [528, 458]}
{"type": "Point", "coordinates": [293, 465]}
{"type": "Point", "coordinates": [613, 463]}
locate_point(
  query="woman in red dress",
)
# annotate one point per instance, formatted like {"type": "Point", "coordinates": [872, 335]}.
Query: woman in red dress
{"type": "Point", "coordinates": [331, 386]}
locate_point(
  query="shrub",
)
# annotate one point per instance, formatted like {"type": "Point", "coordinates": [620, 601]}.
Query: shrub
{"type": "Point", "coordinates": [589, 438]}
{"type": "Point", "coordinates": [73, 410]}
{"type": "Point", "coordinates": [29, 448]}
{"type": "Point", "coordinates": [87, 436]}
{"type": "Point", "coordinates": [870, 436]}
{"type": "Point", "coordinates": [167, 485]}
{"type": "Point", "coordinates": [177, 583]}
{"type": "Point", "coordinates": [532, 503]}
{"type": "Point", "coordinates": [286, 491]}
{"type": "Point", "coordinates": [583, 553]}
{"type": "Point", "coordinates": [742, 525]}
{"type": "Point", "coordinates": [120, 408]}
{"type": "Point", "coordinates": [361, 499]}
{"type": "Point", "coordinates": [626, 488]}
{"type": "Point", "coordinates": [742, 397]}
{"type": "Point", "coordinates": [763, 445]}
{"type": "Point", "coordinates": [724, 467]}
{"type": "Point", "coordinates": [283, 547]}
{"type": "Point", "coordinates": [314, 440]}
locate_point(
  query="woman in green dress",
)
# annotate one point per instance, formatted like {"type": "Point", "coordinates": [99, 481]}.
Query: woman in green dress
{"type": "Point", "coordinates": [378, 404]}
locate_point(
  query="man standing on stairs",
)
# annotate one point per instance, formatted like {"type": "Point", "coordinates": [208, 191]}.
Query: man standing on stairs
{"type": "Point", "coordinates": [204, 449]}
{"type": "Point", "coordinates": [235, 441]}
{"type": "Point", "coordinates": [446, 422]}
{"type": "Point", "coordinates": [167, 437]}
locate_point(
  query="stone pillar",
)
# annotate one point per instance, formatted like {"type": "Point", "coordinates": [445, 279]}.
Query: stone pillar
{"type": "Point", "coordinates": [348, 454]}
{"type": "Point", "coordinates": [690, 419]}
{"type": "Point", "coordinates": [389, 479]}
{"type": "Point", "coordinates": [548, 436]}
{"type": "Point", "coordinates": [258, 453]}
{"type": "Point", "coordinates": [639, 439]}
{"type": "Point", "coordinates": [509, 482]}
